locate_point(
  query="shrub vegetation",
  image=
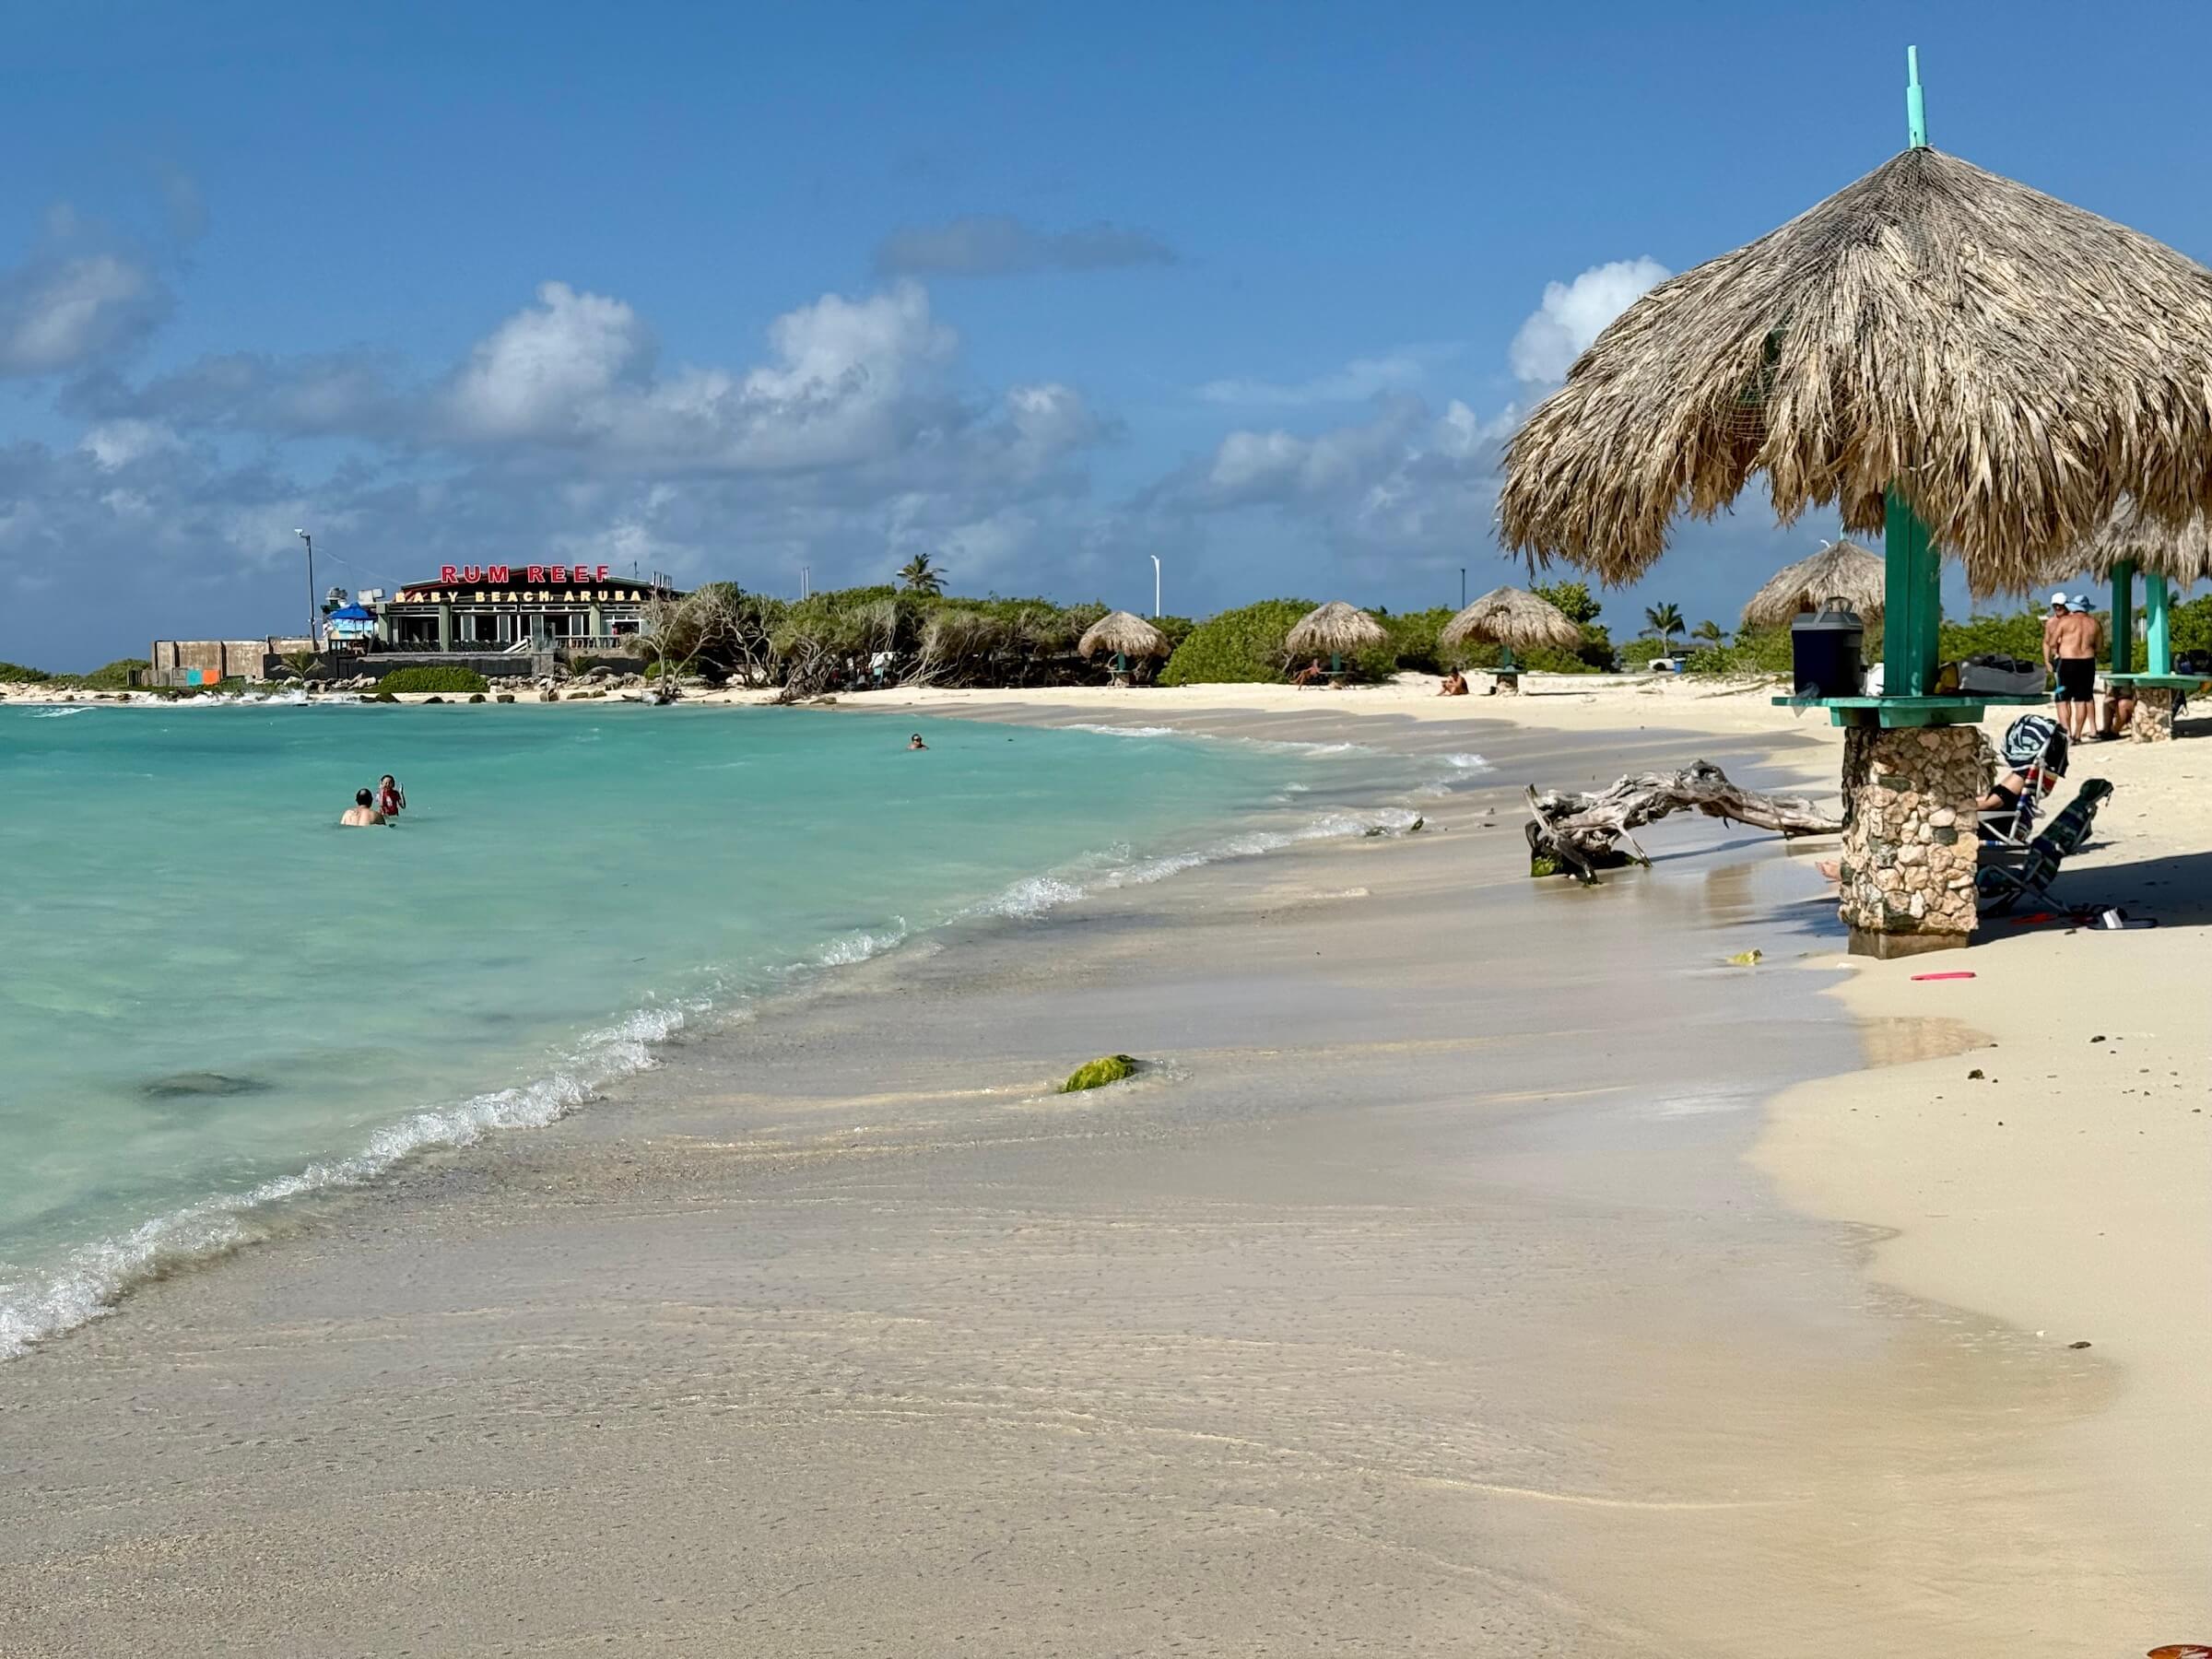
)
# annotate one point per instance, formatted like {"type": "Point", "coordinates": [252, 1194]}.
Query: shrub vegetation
{"type": "Point", "coordinates": [439, 678]}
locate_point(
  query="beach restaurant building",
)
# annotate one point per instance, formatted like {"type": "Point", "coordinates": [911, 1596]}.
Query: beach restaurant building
{"type": "Point", "coordinates": [515, 608]}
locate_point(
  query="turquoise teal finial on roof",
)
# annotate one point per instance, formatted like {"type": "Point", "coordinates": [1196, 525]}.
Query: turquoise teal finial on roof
{"type": "Point", "coordinates": [1916, 109]}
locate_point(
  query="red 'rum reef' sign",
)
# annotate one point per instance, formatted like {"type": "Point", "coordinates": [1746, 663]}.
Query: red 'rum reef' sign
{"type": "Point", "coordinates": [503, 575]}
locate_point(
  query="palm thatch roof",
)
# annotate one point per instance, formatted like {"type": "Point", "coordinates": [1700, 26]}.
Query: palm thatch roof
{"type": "Point", "coordinates": [1841, 569]}
{"type": "Point", "coordinates": [1515, 619]}
{"type": "Point", "coordinates": [1124, 634]}
{"type": "Point", "coordinates": [2181, 556]}
{"type": "Point", "coordinates": [1337, 627]}
{"type": "Point", "coordinates": [2014, 364]}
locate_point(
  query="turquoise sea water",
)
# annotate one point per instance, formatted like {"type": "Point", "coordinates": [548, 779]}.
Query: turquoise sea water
{"type": "Point", "coordinates": [215, 1001]}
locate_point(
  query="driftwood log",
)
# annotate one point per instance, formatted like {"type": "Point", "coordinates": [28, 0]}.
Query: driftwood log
{"type": "Point", "coordinates": [1577, 834]}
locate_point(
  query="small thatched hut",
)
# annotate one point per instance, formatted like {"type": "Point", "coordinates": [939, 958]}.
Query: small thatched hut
{"type": "Point", "coordinates": [1841, 569]}
{"type": "Point", "coordinates": [1513, 619]}
{"type": "Point", "coordinates": [1337, 627]}
{"type": "Point", "coordinates": [1126, 636]}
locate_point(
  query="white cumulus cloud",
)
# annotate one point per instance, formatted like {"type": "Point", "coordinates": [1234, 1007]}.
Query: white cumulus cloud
{"type": "Point", "coordinates": [547, 368]}
{"type": "Point", "coordinates": [1574, 313]}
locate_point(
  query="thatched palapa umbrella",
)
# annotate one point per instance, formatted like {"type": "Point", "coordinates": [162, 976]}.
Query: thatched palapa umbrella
{"type": "Point", "coordinates": [1337, 627]}
{"type": "Point", "coordinates": [1512, 619]}
{"type": "Point", "coordinates": [1841, 569]}
{"type": "Point", "coordinates": [1941, 353]}
{"type": "Point", "coordinates": [2128, 543]}
{"type": "Point", "coordinates": [1950, 356]}
{"type": "Point", "coordinates": [1125, 636]}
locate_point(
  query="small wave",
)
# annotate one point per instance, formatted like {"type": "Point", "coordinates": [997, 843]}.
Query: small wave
{"type": "Point", "coordinates": [860, 945]}
{"type": "Point", "coordinates": [1030, 897]}
{"type": "Point", "coordinates": [95, 1276]}
{"type": "Point", "coordinates": [1280, 745]}
{"type": "Point", "coordinates": [1033, 897]}
{"type": "Point", "coordinates": [1468, 762]}
{"type": "Point", "coordinates": [294, 699]}
{"type": "Point", "coordinates": [56, 714]}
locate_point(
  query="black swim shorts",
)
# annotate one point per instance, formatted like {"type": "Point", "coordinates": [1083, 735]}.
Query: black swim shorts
{"type": "Point", "coordinates": [2077, 679]}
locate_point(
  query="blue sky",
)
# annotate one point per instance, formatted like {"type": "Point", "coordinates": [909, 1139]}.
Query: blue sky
{"type": "Point", "coordinates": [1040, 289]}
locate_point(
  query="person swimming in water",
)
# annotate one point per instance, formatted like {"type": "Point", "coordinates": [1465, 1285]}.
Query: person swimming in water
{"type": "Point", "coordinates": [391, 799]}
{"type": "Point", "coordinates": [916, 742]}
{"type": "Point", "coordinates": [362, 812]}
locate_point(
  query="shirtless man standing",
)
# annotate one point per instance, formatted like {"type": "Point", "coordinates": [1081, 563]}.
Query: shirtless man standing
{"type": "Point", "coordinates": [2070, 653]}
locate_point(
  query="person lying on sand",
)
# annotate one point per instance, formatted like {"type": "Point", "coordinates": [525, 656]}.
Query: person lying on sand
{"type": "Point", "coordinates": [360, 813]}
{"type": "Point", "coordinates": [1454, 685]}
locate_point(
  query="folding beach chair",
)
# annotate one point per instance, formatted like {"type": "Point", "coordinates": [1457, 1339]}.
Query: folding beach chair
{"type": "Point", "coordinates": [2003, 875]}
{"type": "Point", "coordinates": [2035, 747]}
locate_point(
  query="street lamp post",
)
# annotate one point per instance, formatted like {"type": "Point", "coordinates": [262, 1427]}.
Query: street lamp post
{"type": "Point", "coordinates": [310, 540]}
{"type": "Point", "coordinates": [1155, 587]}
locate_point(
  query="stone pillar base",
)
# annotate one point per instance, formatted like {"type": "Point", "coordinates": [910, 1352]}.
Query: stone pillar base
{"type": "Point", "coordinates": [1889, 946]}
{"type": "Point", "coordinates": [1907, 873]}
{"type": "Point", "coordinates": [2153, 720]}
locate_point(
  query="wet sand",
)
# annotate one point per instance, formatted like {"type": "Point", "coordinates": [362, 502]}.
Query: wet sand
{"type": "Point", "coordinates": [1417, 1300]}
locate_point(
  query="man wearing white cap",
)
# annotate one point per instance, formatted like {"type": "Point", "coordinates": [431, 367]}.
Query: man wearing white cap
{"type": "Point", "coordinates": [2070, 651]}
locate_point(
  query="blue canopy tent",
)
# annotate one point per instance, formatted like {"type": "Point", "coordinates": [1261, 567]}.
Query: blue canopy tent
{"type": "Point", "coordinates": [350, 622]}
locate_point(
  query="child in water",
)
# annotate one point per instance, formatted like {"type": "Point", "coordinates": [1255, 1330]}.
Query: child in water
{"type": "Point", "coordinates": [390, 797]}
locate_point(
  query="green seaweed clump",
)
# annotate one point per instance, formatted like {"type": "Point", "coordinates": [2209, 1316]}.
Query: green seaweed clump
{"type": "Point", "coordinates": [1109, 1069]}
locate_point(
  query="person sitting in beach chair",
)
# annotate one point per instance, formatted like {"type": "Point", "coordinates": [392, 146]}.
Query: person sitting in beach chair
{"type": "Point", "coordinates": [2003, 875]}
{"type": "Point", "coordinates": [1313, 674]}
{"type": "Point", "coordinates": [2034, 751]}
{"type": "Point", "coordinates": [1454, 684]}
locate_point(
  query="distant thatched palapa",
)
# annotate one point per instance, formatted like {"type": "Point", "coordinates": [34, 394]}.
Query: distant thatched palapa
{"type": "Point", "coordinates": [1124, 635]}
{"type": "Point", "coordinates": [2154, 549]}
{"type": "Point", "coordinates": [1515, 619]}
{"type": "Point", "coordinates": [1337, 627]}
{"type": "Point", "coordinates": [1841, 569]}
{"type": "Point", "coordinates": [2012, 365]}
{"type": "Point", "coordinates": [2130, 544]}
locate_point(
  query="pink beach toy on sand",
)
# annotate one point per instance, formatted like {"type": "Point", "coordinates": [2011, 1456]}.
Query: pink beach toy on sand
{"type": "Point", "coordinates": [1942, 976]}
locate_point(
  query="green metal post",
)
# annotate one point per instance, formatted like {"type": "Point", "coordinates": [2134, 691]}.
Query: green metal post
{"type": "Point", "coordinates": [1911, 603]}
{"type": "Point", "coordinates": [1335, 662]}
{"type": "Point", "coordinates": [2124, 620]}
{"type": "Point", "coordinates": [1913, 580]}
{"type": "Point", "coordinates": [2157, 641]}
{"type": "Point", "coordinates": [1505, 657]}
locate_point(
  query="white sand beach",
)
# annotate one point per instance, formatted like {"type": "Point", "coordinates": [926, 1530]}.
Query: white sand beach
{"type": "Point", "coordinates": [1479, 1266]}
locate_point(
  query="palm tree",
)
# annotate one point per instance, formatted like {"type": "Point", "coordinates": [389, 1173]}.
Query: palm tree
{"type": "Point", "coordinates": [1708, 633]}
{"type": "Point", "coordinates": [1666, 620]}
{"type": "Point", "coordinates": [920, 575]}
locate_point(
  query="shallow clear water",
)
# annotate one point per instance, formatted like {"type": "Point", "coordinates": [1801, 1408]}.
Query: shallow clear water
{"type": "Point", "coordinates": [213, 999]}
